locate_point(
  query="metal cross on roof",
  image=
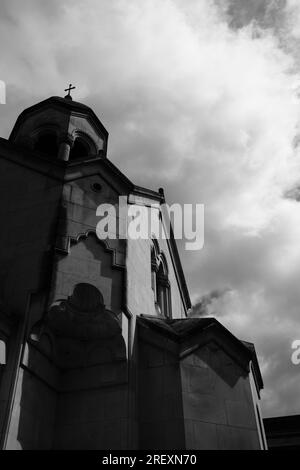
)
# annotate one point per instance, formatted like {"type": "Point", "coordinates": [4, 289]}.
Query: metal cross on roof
{"type": "Point", "coordinates": [69, 91]}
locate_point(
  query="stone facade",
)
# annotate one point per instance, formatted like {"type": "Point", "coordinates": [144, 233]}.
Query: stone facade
{"type": "Point", "coordinates": [96, 347]}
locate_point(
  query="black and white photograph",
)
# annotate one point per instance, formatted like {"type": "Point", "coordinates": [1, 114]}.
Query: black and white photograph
{"type": "Point", "coordinates": [149, 228]}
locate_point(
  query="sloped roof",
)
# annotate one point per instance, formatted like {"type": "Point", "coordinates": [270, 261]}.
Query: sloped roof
{"type": "Point", "coordinates": [67, 105]}
{"type": "Point", "coordinates": [179, 329]}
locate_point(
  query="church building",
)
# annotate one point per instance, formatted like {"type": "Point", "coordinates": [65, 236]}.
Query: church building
{"type": "Point", "coordinates": [97, 350]}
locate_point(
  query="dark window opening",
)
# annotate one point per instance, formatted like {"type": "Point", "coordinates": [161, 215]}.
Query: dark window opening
{"type": "Point", "coordinates": [79, 150]}
{"type": "Point", "coordinates": [47, 144]}
{"type": "Point", "coordinates": [160, 283]}
{"type": "Point", "coordinates": [96, 187]}
{"type": "Point", "coordinates": [163, 291]}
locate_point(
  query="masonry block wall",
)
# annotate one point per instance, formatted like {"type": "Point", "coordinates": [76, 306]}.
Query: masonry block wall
{"type": "Point", "coordinates": [217, 401]}
{"type": "Point", "coordinates": [29, 210]}
{"type": "Point", "coordinates": [72, 385]}
{"type": "Point", "coordinates": [140, 294]}
{"type": "Point", "coordinates": [194, 390]}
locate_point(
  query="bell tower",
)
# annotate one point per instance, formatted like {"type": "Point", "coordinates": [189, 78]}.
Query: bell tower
{"type": "Point", "coordinates": [61, 128]}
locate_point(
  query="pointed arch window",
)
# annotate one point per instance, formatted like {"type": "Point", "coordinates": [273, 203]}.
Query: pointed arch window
{"type": "Point", "coordinates": [160, 282]}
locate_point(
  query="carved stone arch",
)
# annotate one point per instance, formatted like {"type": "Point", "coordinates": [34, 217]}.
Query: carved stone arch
{"type": "Point", "coordinates": [87, 137]}
{"type": "Point", "coordinates": [155, 252]}
{"type": "Point", "coordinates": [155, 244]}
{"type": "Point", "coordinates": [84, 235]}
{"type": "Point", "coordinates": [49, 130]}
{"type": "Point", "coordinates": [83, 145]}
{"type": "Point", "coordinates": [47, 126]}
{"type": "Point", "coordinates": [160, 280]}
{"type": "Point", "coordinates": [93, 261]}
{"type": "Point", "coordinates": [110, 245]}
{"type": "Point", "coordinates": [163, 263]}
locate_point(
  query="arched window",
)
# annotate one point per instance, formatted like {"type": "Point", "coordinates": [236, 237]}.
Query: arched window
{"type": "Point", "coordinates": [79, 150]}
{"type": "Point", "coordinates": [160, 282]}
{"type": "Point", "coordinates": [47, 144]}
{"type": "Point", "coordinates": [163, 288]}
{"type": "Point", "coordinates": [154, 264]}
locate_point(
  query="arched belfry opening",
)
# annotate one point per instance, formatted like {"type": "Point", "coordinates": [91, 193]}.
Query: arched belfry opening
{"type": "Point", "coordinates": [46, 143]}
{"type": "Point", "coordinates": [61, 128]}
{"type": "Point", "coordinates": [80, 149]}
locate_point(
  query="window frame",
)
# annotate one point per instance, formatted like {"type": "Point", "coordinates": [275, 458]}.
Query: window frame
{"type": "Point", "coordinates": [160, 281]}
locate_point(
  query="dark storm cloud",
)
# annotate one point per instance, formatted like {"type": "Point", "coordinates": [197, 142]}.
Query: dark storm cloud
{"type": "Point", "coordinates": [281, 17]}
{"type": "Point", "coordinates": [267, 13]}
{"type": "Point", "coordinates": [202, 307]}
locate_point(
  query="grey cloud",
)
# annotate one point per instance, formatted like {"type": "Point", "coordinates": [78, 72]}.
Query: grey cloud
{"type": "Point", "coordinates": [266, 13]}
{"type": "Point", "coordinates": [201, 308]}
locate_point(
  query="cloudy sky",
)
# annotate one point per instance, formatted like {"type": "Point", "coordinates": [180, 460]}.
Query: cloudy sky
{"type": "Point", "coordinates": [200, 97]}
